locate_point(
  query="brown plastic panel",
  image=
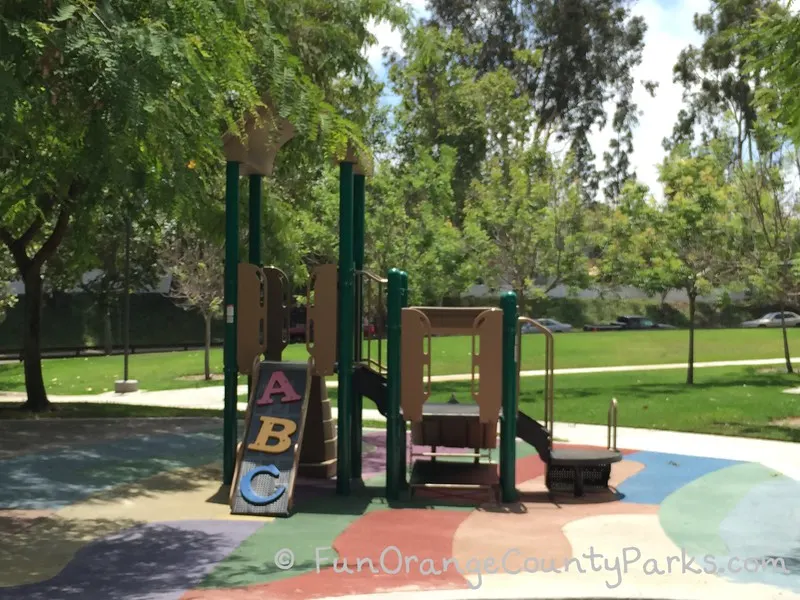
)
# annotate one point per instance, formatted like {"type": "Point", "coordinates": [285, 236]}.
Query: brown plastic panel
{"type": "Point", "coordinates": [451, 320]}
{"type": "Point", "coordinates": [454, 432]}
{"type": "Point", "coordinates": [278, 304]}
{"type": "Point", "coordinates": [321, 318]}
{"type": "Point", "coordinates": [415, 359]}
{"type": "Point", "coordinates": [487, 360]}
{"type": "Point", "coordinates": [251, 325]}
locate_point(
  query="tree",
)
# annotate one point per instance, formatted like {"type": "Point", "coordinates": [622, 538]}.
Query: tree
{"type": "Point", "coordinates": [716, 80]}
{"type": "Point", "coordinates": [530, 222]}
{"type": "Point", "coordinates": [409, 227]}
{"type": "Point", "coordinates": [133, 96]}
{"type": "Point", "coordinates": [440, 109]}
{"type": "Point", "coordinates": [632, 244]}
{"type": "Point", "coordinates": [197, 268]}
{"type": "Point", "coordinates": [769, 45]}
{"type": "Point", "coordinates": [7, 298]}
{"type": "Point", "coordinates": [571, 58]}
{"type": "Point", "coordinates": [698, 224]}
{"type": "Point", "coordinates": [769, 208]}
{"type": "Point", "coordinates": [105, 228]}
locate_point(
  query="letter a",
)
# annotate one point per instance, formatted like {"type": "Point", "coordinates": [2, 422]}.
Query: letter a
{"type": "Point", "coordinates": [278, 384]}
{"type": "Point", "coordinates": [267, 432]}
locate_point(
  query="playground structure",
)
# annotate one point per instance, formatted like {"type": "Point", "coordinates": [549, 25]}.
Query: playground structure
{"type": "Point", "coordinates": [294, 411]}
{"type": "Point", "coordinates": [496, 362]}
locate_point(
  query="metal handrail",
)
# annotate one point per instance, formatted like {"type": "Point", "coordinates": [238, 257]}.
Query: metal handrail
{"type": "Point", "coordinates": [475, 334]}
{"type": "Point", "coordinates": [363, 278]}
{"type": "Point", "coordinates": [549, 363]}
{"type": "Point", "coordinates": [612, 422]}
{"type": "Point", "coordinates": [310, 293]}
{"type": "Point", "coordinates": [372, 276]}
{"type": "Point", "coordinates": [287, 306]}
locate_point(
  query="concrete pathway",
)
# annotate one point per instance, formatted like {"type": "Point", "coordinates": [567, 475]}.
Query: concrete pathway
{"type": "Point", "coordinates": [211, 397]}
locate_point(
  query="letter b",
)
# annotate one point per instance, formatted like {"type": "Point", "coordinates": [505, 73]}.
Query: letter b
{"type": "Point", "coordinates": [267, 432]}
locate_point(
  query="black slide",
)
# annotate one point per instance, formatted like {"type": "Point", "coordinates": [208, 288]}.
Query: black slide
{"type": "Point", "coordinates": [532, 432]}
{"type": "Point", "coordinates": [372, 385]}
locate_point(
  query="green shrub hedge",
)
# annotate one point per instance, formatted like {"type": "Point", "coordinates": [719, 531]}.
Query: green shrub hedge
{"type": "Point", "coordinates": [74, 321]}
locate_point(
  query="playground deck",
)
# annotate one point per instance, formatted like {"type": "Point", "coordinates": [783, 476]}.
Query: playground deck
{"type": "Point", "coordinates": [97, 510]}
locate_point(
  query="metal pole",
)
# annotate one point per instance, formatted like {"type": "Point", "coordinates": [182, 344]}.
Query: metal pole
{"type": "Point", "coordinates": [401, 427]}
{"type": "Point", "coordinates": [359, 185]}
{"type": "Point", "coordinates": [230, 426]}
{"type": "Point", "coordinates": [254, 234]}
{"type": "Point", "coordinates": [346, 314]}
{"type": "Point", "coordinates": [127, 306]}
{"type": "Point", "coordinates": [508, 423]}
{"type": "Point", "coordinates": [395, 455]}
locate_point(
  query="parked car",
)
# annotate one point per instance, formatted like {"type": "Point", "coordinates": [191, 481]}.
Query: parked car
{"type": "Point", "coordinates": [628, 323]}
{"type": "Point", "coordinates": [551, 324]}
{"type": "Point", "coordinates": [774, 320]}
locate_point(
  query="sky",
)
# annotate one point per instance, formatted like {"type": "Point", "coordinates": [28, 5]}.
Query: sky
{"type": "Point", "coordinates": [669, 30]}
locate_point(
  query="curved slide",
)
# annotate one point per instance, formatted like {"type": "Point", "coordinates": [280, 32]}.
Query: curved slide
{"type": "Point", "coordinates": [372, 385]}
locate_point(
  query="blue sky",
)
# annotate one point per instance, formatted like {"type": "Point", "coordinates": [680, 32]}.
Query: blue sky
{"type": "Point", "coordinates": [669, 30]}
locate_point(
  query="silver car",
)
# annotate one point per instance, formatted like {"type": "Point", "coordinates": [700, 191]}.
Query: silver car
{"type": "Point", "coordinates": [774, 320]}
{"type": "Point", "coordinates": [551, 324]}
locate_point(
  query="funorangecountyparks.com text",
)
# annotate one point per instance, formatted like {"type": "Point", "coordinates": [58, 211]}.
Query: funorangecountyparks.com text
{"type": "Point", "coordinates": [392, 561]}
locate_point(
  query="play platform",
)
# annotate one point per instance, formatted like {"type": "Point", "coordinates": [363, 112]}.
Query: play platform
{"type": "Point", "coordinates": [136, 512]}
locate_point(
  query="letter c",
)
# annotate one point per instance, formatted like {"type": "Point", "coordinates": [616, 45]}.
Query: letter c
{"type": "Point", "coordinates": [505, 564]}
{"type": "Point", "coordinates": [246, 486]}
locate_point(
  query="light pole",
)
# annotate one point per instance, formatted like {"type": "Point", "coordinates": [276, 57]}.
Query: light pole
{"type": "Point", "coordinates": [126, 385]}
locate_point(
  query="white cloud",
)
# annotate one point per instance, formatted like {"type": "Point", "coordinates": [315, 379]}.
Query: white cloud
{"type": "Point", "coordinates": [387, 36]}
{"type": "Point", "coordinates": [669, 30]}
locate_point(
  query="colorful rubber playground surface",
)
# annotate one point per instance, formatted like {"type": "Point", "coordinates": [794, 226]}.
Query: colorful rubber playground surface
{"type": "Point", "coordinates": [99, 510]}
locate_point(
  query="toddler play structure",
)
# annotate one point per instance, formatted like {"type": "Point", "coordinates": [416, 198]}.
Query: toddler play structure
{"type": "Point", "coordinates": [288, 424]}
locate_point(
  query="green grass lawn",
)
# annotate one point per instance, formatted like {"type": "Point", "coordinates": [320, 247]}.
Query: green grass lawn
{"type": "Point", "coordinates": [740, 401]}
{"type": "Point", "coordinates": [173, 370]}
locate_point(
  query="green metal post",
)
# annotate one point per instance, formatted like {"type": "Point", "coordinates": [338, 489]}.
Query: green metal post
{"type": "Point", "coordinates": [395, 457]}
{"type": "Point", "coordinates": [230, 426]}
{"type": "Point", "coordinates": [254, 238]}
{"type": "Point", "coordinates": [346, 314]}
{"type": "Point", "coordinates": [254, 233]}
{"type": "Point", "coordinates": [401, 426]}
{"type": "Point", "coordinates": [359, 185]}
{"type": "Point", "coordinates": [508, 424]}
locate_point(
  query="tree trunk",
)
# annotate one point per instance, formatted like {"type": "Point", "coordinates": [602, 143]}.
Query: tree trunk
{"type": "Point", "coordinates": [785, 341]}
{"type": "Point", "coordinates": [520, 292]}
{"type": "Point", "coordinates": [32, 342]}
{"type": "Point", "coordinates": [690, 370]}
{"type": "Point", "coordinates": [207, 371]}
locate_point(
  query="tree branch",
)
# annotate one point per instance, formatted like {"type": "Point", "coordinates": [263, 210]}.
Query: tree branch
{"type": "Point", "coordinates": [17, 250]}
{"type": "Point", "coordinates": [45, 205]}
{"type": "Point", "coordinates": [54, 241]}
